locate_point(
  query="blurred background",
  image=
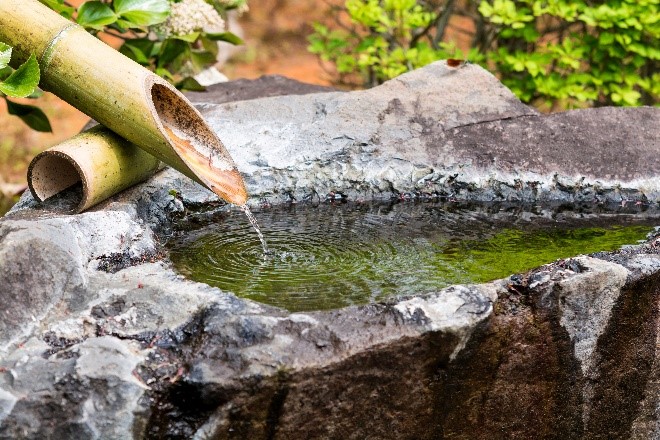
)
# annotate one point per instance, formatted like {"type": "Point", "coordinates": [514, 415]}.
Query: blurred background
{"type": "Point", "coordinates": [553, 55]}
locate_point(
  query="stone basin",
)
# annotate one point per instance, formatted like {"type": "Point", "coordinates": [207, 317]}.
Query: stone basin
{"type": "Point", "coordinates": [101, 338]}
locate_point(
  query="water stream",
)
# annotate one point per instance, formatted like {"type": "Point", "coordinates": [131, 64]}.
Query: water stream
{"type": "Point", "coordinates": [255, 225]}
{"type": "Point", "coordinates": [331, 256]}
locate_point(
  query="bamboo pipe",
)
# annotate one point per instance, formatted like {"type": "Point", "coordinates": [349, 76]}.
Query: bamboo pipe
{"type": "Point", "coordinates": [120, 94]}
{"type": "Point", "coordinates": [101, 160]}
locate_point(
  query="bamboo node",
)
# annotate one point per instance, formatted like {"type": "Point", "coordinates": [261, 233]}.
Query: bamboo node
{"type": "Point", "coordinates": [47, 55]}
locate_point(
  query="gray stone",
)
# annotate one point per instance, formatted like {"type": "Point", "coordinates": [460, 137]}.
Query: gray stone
{"type": "Point", "coordinates": [365, 144]}
{"type": "Point", "coordinates": [586, 304]}
{"type": "Point", "coordinates": [442, 131]}
{"type": "Point", "coordinates": [246, 89]}
{"type": "Point", "coordinates": [7, 402]}
{"type": "Point", "coordinates": [107, 364]}
{"type": "Point", "coordinates": [100, 338]}
{"type": "Point", "coordinates": [64, 247]}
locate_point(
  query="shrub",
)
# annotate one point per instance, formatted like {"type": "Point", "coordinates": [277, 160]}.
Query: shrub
{"type": "Point", "coordinates": [574, 52]}
{"type": "Point", "coordinates": [383, 39]}
{"type": "Point", "coordinates": [555, 54]}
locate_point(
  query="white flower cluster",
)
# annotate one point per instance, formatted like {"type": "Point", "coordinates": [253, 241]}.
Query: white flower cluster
{"type": "Point", "coordinates": [242, 9]}
{"type": "Point", "coordinates": [191, 16]}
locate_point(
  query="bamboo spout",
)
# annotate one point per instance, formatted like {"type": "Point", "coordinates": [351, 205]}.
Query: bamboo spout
{"type": "Point", "coordinates": [120, 94]}
{"type": "Point", "coordinates": [99, 159]}
{"type": "Point", "coordinates": [194, 146]}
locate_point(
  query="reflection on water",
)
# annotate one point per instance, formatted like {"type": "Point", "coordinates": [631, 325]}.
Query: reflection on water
{"type": "Point", "coordinates": [331, 256]}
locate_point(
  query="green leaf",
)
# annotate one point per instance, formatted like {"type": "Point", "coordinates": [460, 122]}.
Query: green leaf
{"type": "Point", "coordinates": [95, 15]}
{"type": "Point", "coordinates": [60, 7]}
{"type": "Point", "coordinates": [362, 45]}
{"type": "Point", "coordinates": [320, 29]}
{"type": "Point", "coordinates": [143, 12]}
{"type": "Point", "coordinates": [202, 59]}
{"type": "Point", "coordinates": [122, 25]}
{"type": "Point", "coordinates": [5, 55]}
{"type": "Point", "coordinates": [171, 50]}
{"type": "Point", "coordinates": [530, 34]}
{"type": "Point", "coordinates": [161, 71]}
{"type": "Point", "coordinates": [209, 45]}
{"type": "Point", "coordinates": [23, 80]}
{"type": "Point", "coordinates": [134, 53]}
{"type": "Point", "coordinates": [31, 115]}
{"type": "Point", "coordinates": [190, 84]}
{"type": "Point", "coordinates": [225, 36]}
{"type": "Point", "coordinates": [5, 72]}
{"type": "Point", "coordinates": [189, 38]}
{"type": "Point", "coordinates": [138, 49]}
{"type": "Point", "coordinates": [606, 38]}
{"type": "Point", "coordinates": [630, 97]}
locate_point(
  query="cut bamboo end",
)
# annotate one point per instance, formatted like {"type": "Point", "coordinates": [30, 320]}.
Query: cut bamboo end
{"type": "Point", "coordinates": [52, 172]}
{"type": "Point", "coordinates": [195, 142]}
{"type": "Point", "coordinates": [101, 161]}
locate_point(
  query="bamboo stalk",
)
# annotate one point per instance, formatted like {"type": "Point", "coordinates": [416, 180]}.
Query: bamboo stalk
{"type": "Point", "coordinates": [101, 160]}
{"type": "Point", "coordinates": [120, 94]}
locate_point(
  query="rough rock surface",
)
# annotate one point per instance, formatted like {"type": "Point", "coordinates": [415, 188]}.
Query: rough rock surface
{"type": "Point", "coordinates": [439, 132]}
{"type": "Point", "coordinates": [101, 339]}
{"type": "Point", "coordinates": [246, 89]}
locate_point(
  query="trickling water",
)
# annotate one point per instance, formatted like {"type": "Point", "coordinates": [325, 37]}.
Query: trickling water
{"type": "Point", "coordinates": [337, 255]}
{"type": "Point", "coordinates": [255, 225]}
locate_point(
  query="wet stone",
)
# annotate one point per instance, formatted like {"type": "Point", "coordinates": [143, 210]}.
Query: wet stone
{"type": "Point", "coordinates": [100, 337]}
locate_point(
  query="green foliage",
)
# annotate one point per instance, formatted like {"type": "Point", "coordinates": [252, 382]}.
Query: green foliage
{"type": "Point", "coordinates": [383, 40]}
{"type": "Point", "coordinates": [5, 55]}
{"type": "Point", "coordinates": [141, 12]}
{"type": "Point", "coordinates": [176, 52]}
{"type": "Point", "coordinates": [551, 53]}
{"type": "Point", "coordinates": [599, 54]}
{"type": "Point", "coordinates": [95, 15]}
{"type": "Point", "coordinates": [33, 116]}
{"type": "Point", "coordinates": [21, 83]}
{"type": "Point", "coordinates": [60, 7]}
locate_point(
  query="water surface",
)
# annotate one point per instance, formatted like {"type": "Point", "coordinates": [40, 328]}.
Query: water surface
{"type": "Point", "coordinates": [332, 256]}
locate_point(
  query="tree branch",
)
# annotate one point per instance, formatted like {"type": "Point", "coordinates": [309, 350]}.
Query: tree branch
{"type": "Point", "coordinates": [442, 23]}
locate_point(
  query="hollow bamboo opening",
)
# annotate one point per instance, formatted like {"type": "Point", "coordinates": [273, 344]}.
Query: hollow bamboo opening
{"type": "Point", "coordinates": [196, 144]}
{"type": "Point", "coordinates": [104, 162]}
{"type": "Point", "coordinates": [53, 172]}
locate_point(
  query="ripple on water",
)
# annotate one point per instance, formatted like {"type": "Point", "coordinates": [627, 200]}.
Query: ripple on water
{"type": "Point", "coordinates": [332, 256]}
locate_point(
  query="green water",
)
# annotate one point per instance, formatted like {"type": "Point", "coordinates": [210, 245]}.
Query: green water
{"type": "Point", "coordinates": [333, 256]}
